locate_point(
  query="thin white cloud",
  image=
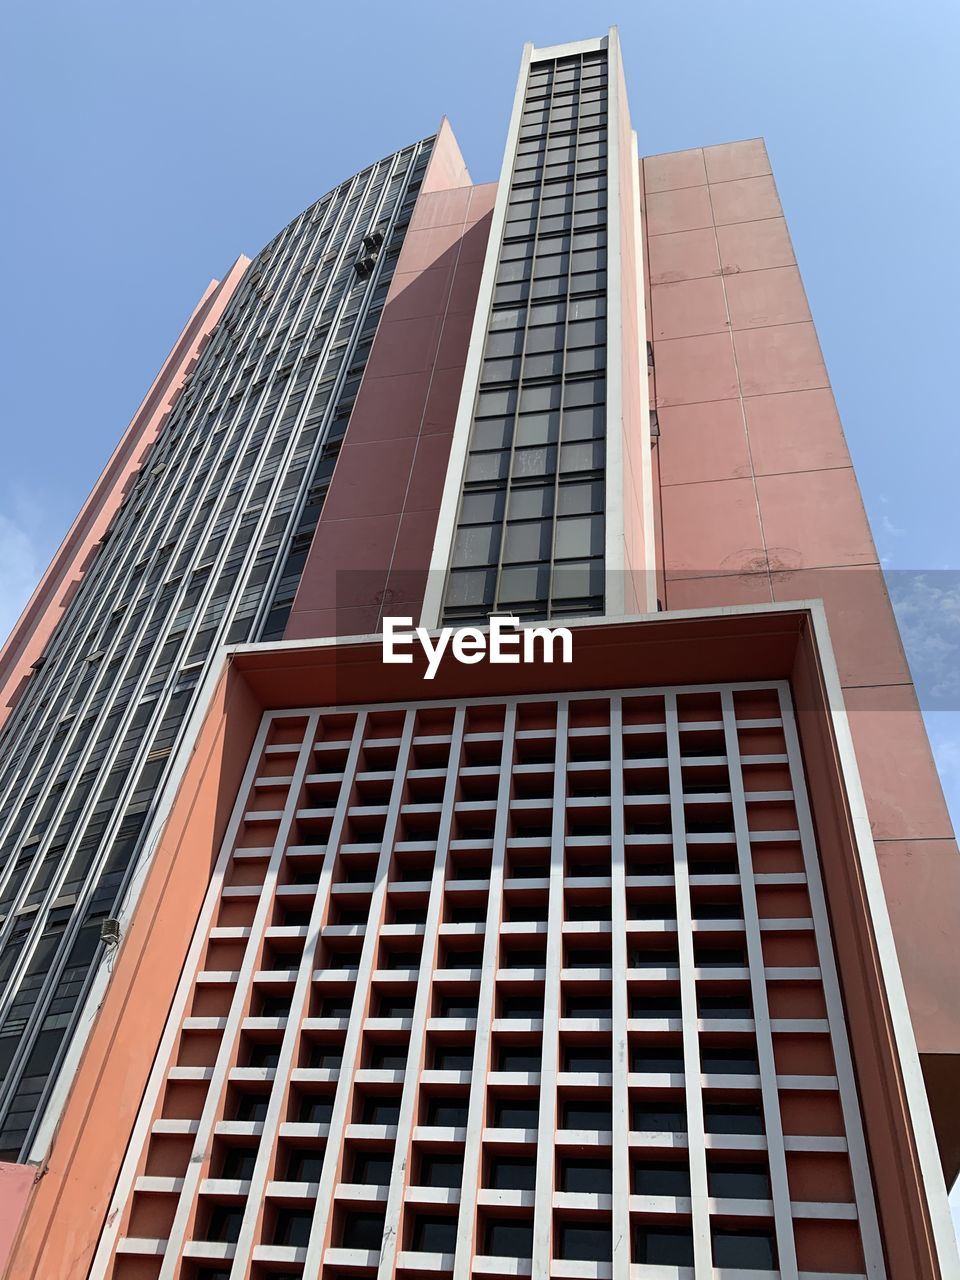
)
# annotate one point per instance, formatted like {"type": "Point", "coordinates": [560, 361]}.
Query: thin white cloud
{"type": "Point", "coordinates": [21, 559]}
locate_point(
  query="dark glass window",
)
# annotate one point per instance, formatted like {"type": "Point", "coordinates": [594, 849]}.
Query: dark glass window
{"type": "Point", "coordinates": [305, 1164]}
{"type": "Point", "coordinates": [292, 1227]}
{"type": "Point", "coordinates": [363, 1231]}
{"type": "Point", "coordinates": [441, 1171]}
{"type": "Point", "coordinates": [508, 1238]}
{"type": "Point", "coordinates": [749, 1250]}
{"type": "Point", "coordinates": [381, 1110]}
{"type": "Point", "coordinates": [732, 1117]}
{"type": "Point", "coordinates": [449, 1113]}
{"type": "Point", "coordinates": [585, 1241]}
{"type": "Point", "coordinates": [661, 1178]}
{"type": "Point", "coordinates": [224, 1223]}
{"type": "Point", "coordinates": [372, 1168]}
{"type": "Point", "coordinates": [434, 1234]}
{"type": "Point", "coordinates": [512, 1173]}
{"type": "Point", "coordinates": [592, 1176]}
{"type": "Point", "coordinates": [663, 1246]}
{"type": "Point", "coordinates": [577, 1114]}
{"type": "Point", "coordinates": [738, 1181]}
{"type": "Point", "coordinates": [508, 1114]}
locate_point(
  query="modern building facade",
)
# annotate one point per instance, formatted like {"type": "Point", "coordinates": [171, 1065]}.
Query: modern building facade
{"type": "Point", "coordinates": [608, 969]}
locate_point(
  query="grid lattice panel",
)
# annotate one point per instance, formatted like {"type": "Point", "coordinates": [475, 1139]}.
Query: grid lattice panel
{"type": "Point", "coordinates": [508, 988]}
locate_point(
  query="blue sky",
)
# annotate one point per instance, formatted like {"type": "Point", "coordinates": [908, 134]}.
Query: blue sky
{"type": "Point", "coordinates": [147, 144]}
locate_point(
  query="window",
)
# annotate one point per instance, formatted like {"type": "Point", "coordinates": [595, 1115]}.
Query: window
{"type": "Point", "coordinates": [292, 1227]}
{"type": "Point", "coordinates": [458, 1007]}
{"type": "Point", "coordinates": [661, 1178]}
{"type": "Point", "coordinates": [588, 1006]}
{"type": "Point", "coordinates": [305, 1164]}
{"type": "Point", "coordinates": [512, 1173]}
{"type": "Point", "coordinates": [251, 1106]}
{"type": "Point", "coordinates": [224, 1223]}
{"type": "Point", "coordinates": [381, 1110]}
{"type": "Point", "coordinates": [238, 1163]}
{"type": "Point", "coordinates": [594, 1177]}
{"type": "Point", "coordinates": [726, 1006]}
{"type": "Point", "coordinates": [729, 1061]}
{"type": "Point", "coordinates": [587, 1059]}
{"type": "Point", "coordinates": [316, 1110]}
{"type": "Point", "coordinates": [434, 1234]}
{"type": "Point", "coordinates": [663, 1119]}
{"type": "Point", "coordinates": [518, 1060]}
{"type": "Point", "coordinates": [521, 1006]}
{"type": "Point", "coordinates": [508, 1238]}
{"type": "Point", "coordinates": [362, 1231]}
{"type": "Point", "coordinates": [509, 1114]}
{"type": "Point", "coordinates": [449, 1113]}
{"type": "Point", "coordinates": [585, 1242]}
{"type": "Point", "coordinates": [446, 1058]}
{"type": "Point", "coordinates": [388, 1057]}
{"type": "Point", "coordinates": [372, 1168]}
{"type": "Point", "coordinates": [732, 1117]}
{"type": "Point", "coordinates": [738, 1181]}
{"type": "Point", "coordinates": [663, 1246]}
{"type": "Point", "coordinates": [441, 1171]}
{"type": "Point", "coordinates": [749, 1250]}
{"type": "Point", "coordinates": [578, 1114]}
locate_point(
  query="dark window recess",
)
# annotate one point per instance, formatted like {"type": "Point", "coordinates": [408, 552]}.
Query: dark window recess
{"type": "Point", "coordinates": [738, 1181]}
{"type": "Point", "coordinates": [441, 1171]}
{"type": "Point", "coordinates": [238, 1163]}
{"type": "Point", "coordinates": [315, 1110]}
{"type": "Point", "coordinates": [434, 1234]}
{"type": "Point", "coordinates": [512, 1173]}
{"type": "Point", "coordinates": [362, 1231]}
{"type": "Point", "coordinates": [728, 1062]}
{"type": "Point", "coordinates": [372, 1168]}
{"type": "Point", "coordinates": [594, 1177]}
{"type": "Point", "coordinates": [450, 1059]}
{"type": "Point", "coordinates": [447, 1113]}
{"type": "Point", "coordinates": [661, 1178]}
{"type": "Point", "coordinates": [224, 1223]}
{"type": "Point", "coordinates": [749, 1250]}
{"type": "Point", "coordinates": [292, 1227]}
{"type": "Point", "coordinates": [645, 1118]}
{"type": "Point", "coordinates": [663, 1246]}
{"type": "Point", "coordinates": [577, 1114]}
{"type": "Point", "coordinates": [381, 1110]}
{"type": "Point", "coordinates": [591, 1060]}
{"type": "Point", "coordinates": [585, 1242]}
{"type": "Point", "coordinates": [518, 1060]}
{"type": "Point", "coordinates": [508, 1238]}
{"type": "Point", "coordinates": [732, 1117]}
{"type": "Point", "coordinates": [389, 1057]}
{"type": "Point", "coordinates": [305, 1164]}
{"type": "Point", "coordinates": [515, 1115]}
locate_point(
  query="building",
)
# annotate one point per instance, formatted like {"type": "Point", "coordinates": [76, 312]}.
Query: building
{"type": "Point", "coordinates": [612, 968]}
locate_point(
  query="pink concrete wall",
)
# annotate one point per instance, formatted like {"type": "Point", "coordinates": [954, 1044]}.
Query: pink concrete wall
{"type": "Point", "coordinates": [760, 502]}
{"type": "Point", "coordinates": [35, 625]}
{"type": "Point", "coordinates": [372, 547]}
{"type": "Point", "coordinates": [16, 1181]}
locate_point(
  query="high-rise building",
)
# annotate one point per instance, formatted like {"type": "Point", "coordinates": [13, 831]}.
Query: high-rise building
{"type": "Point", "coordinates": [634, 965]}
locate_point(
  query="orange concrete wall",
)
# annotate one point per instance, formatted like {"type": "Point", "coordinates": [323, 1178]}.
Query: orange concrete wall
{"type": "Point", "coordinates": [63, 1220]}
{"type": "Point", "coordinates": [759, 502]}
{"type": "Point", "coordinates": [43, 611]}
{"type": "Point", "coordinates": [372, 546]}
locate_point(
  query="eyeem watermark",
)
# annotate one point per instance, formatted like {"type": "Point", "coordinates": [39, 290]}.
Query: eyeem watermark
{"type": "Point", "coordinates": [506, 641]}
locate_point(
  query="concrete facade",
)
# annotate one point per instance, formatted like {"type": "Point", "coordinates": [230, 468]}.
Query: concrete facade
{"type": "Point", "coordinates": [597, 972]}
